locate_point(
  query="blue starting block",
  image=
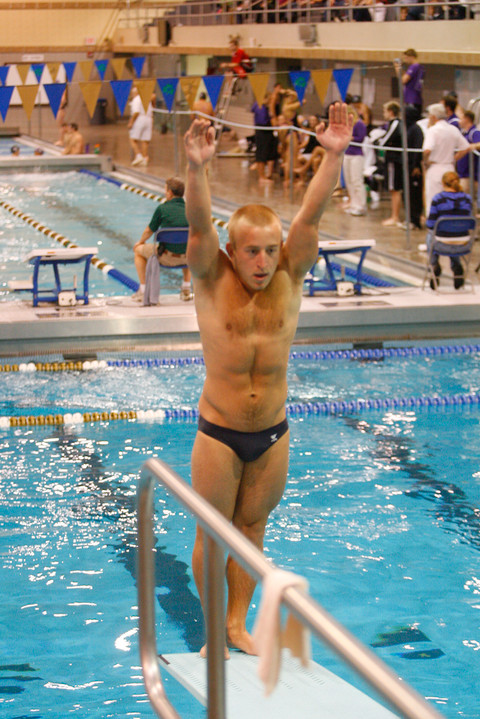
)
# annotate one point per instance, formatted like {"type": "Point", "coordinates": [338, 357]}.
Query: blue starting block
{"type": "Point", "coordinates": [54, 258]}
{"type": "Point", "coordinates": [328, 249]}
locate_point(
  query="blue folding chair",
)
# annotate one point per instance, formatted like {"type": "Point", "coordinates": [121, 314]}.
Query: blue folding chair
{"type": "Point", "coordinates": [453, 236]}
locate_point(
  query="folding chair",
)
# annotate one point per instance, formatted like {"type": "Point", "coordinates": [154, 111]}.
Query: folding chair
{"type": "Point", "coordinates": [453, 237]}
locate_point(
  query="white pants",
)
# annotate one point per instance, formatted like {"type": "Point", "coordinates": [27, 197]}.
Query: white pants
{"type": "Point", "coordinates": [433, 182]}
{"type": "Point", "coordinates": [354, 182]}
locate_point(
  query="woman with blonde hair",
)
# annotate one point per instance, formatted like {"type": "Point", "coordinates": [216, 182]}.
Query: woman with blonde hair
{"type": "Point", "coordinates": [451, 202]}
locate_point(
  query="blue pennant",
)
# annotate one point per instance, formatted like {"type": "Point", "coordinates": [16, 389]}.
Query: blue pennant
{"type": "Point", "coordinates": [3, 73]}
{"type": "Point", "coordinates": [5, 97]}
{"type": "Point", "coordinates": [55, 93]}
{"type": "Point", "coordinates": [168, 86]}
{"type": "Point", "coordinates": [213, 83]}
{"type": "Point", "coordinates": [137, 63]}
{"type": "Point", "coordinates": [38, 70]}
{"type": "Point", "coordinates": [121, 90]}
{"type": "Point", "coordinates": [342, 78]}
{"type": "Point", "coordinates": [299, 80]}
{"type": "Point", "coordinates": [101, 66]}
{"type": "Point", "coordinates": [69, 69]}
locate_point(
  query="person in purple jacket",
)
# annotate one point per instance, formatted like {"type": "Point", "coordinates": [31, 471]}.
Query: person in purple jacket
{"type": "Point", "coordinates": [412, 80]}
{"type": "Point", "coordinates": [265, 141]}
{"type": "Point", "coordinates": [353, 164]}
{"type": "Point", "coordinates": [472, 134]}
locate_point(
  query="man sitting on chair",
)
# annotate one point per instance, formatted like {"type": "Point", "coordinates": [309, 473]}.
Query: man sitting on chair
{"type": "Point", "coordinates": [170, 213]}
{"type": "Point", "coordinates": [450, 202]}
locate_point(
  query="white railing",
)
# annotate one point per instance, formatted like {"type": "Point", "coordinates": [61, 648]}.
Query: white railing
{"type": "Point", "coordinates": [201, 12]}
{"type": "Point", "coordinates": [220, 536]}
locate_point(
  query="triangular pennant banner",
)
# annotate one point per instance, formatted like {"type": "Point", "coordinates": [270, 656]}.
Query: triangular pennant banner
{"type": "Point", "coordinates": [86, 68]}
{"type": "Point", "coordinates": [258, 83]}
{"type": "Point", "coordinates": [213, 85]}
{"type": "Point", "coordinates": [342, 77]}
{"type": "Point", "coordinates": [121, 91]}
{"type": "Point", "coordinates": [3, 73]}
{"type": "Point", "coordinates": [299, 80]}
{"type": "Point", "coordinates": [38, 68]}
{"type": "Point", "coordinates": [145, 88]}
{"type": "Point", "coordinates": [5, 97]}
{"type": "Point", "coordinates": [90, 92]}
{"type": "Point", "coordinates": [321, 80]}
{"type": "Point", "coordinates": [23, 71]}
{"type": "Point", "coordinates": [118, 65]}
{"type": "Point", "coordinates": [28, 95]}
{"type": "Point", "coordinates": [168, 87]}
{"type": "Point", "coordinates": [69, 70]}
{"type": "Point", "coordinates": [53, 68]}
{"type": "Point", "coordinates": [190, 87]}
{"type": "Point", "coordinates": [137, 64]}
{"type": "Point", "coordinates": [101, 66]}
{"type": "Point", "coordinates": [55, 93]}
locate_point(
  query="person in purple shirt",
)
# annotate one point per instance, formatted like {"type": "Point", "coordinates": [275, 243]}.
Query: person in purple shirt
{"type": "Point", "coordinates": [412, 80]}
{"type": "Point", "coordinates": [450, 103]}
{"type": "Point", "coordinates": [353, 164]}
{"type": "Point", "coordinates": [265, 141]}
{"type": "Point", "coordinates": [472, 134]}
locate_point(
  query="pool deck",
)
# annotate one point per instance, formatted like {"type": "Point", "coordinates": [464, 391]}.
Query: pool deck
{"type": "Point", "coordinates": [119, 323]}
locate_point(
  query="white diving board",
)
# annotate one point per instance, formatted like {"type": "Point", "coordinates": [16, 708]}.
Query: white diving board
{"type": "Point", "coordinates": [307, 693]}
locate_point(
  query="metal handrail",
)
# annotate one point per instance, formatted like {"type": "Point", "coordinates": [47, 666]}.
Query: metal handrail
{"type": "Point", "coordinates": [210, 12]}
{"type": "Point", "coordinates": [220, 535]}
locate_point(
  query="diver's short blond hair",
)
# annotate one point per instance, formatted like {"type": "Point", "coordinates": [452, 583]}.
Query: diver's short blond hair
{"type": "Point", "coordinates": [258, 215]}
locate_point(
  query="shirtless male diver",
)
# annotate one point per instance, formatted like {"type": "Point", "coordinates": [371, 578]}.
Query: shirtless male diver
{"type": "Point", "coordinates": [247, 301]}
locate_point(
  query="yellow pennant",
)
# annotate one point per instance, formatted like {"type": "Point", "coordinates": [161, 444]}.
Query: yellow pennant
{"type": "Point", "coordinates": [23, 72]}
{"type": "Point", "coordinates": [28, 95]}
{"type": "Point", "coordinates": [53, 68]}
{"type": "Point", "coordinates": [321, 80]}
{"type": "Point", "coordinates": [118, 65]}
{"type": "Point", "coordinates": [86, 68]}
{"type": "Point", "coordinates": [190, 87]}
{"type": "Point", "coordinates": [145, 89]}
{"type": "Point", "coordinates": [90, 92]}
{"type": "Point", "coordinates": [258, 83]}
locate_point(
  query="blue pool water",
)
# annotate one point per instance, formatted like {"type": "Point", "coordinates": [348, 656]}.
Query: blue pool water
{"type": "Point", "coordinates": [87, 211]}
{"type": "Point", "coordinates": [381, 514]}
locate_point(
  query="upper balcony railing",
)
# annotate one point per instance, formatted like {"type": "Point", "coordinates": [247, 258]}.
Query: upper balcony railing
{"type": "Point", "coordinates": [241, 12]}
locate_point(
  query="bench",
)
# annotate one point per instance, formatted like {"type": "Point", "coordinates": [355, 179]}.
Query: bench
{"type": "Point", "coordinates": [54, 258]}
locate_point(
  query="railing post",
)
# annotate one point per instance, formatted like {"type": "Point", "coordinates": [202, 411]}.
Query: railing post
{"type": "Point", "coordinates": [214, 578]}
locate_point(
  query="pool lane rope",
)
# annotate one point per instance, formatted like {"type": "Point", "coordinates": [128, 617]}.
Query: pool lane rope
{"type": "Point", "coordinates": [95, 261]}
{"type": "Point", "coordinates": [297, 409]}
{"type": "Point", "coordinates": [172, 362]}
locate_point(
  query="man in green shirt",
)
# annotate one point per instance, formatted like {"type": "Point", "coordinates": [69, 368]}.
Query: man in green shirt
{"type": "Point", "coordinates": [170, 213]}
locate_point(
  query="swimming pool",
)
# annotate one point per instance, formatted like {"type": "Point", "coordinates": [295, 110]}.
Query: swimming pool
{"type": "Point", "coordinates": [381, 514]}
{"type": "Point", "coordinates": [87, 210]}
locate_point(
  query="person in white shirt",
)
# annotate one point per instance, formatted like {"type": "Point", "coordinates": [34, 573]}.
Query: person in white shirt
{"type": "Point", "coordinates": [441, 144]}
{"type": "Point", "coordinates": [140, 127]}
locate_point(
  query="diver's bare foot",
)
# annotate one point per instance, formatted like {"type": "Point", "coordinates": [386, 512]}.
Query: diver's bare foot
{"type": "Point", "coordinates": [203, 652]}
{"type": "Point", "coordinates": [241, 640]}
